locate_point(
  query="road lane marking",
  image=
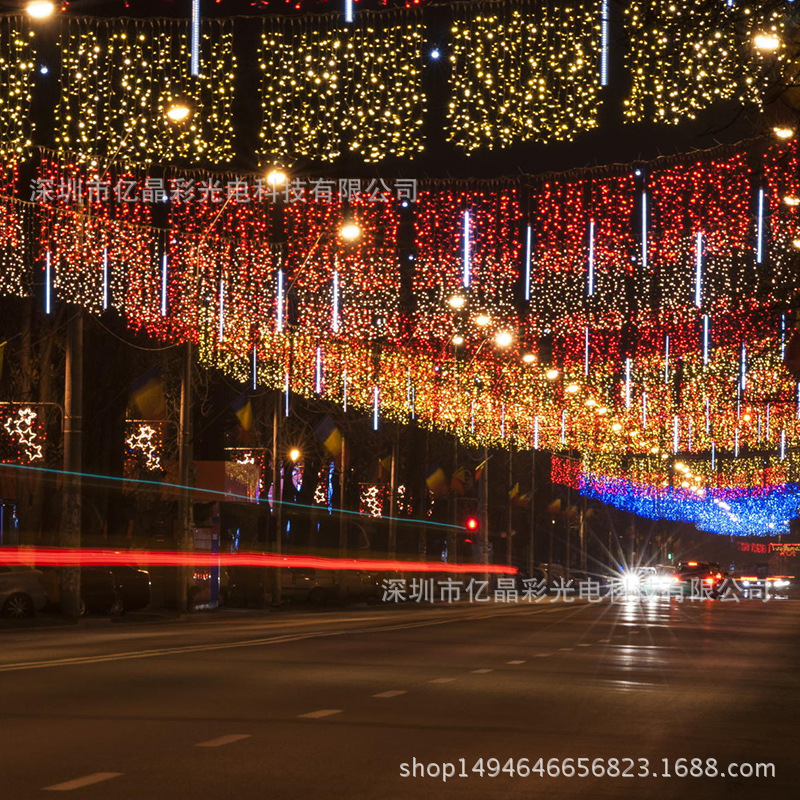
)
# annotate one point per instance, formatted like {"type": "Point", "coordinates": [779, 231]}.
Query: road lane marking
{"type": "Point", "coordinates": [481, 671]}
{"type": "Point", "coordinates": [635, 631]}
{"type": "Point", "coordinates": [391, 693]}
{"type": "Point", "coordinates": [323, 712]}
{"type": "Point", "coordinates": [565, 649]}
{"type": "Point", "coordinates": [542, 655]}
{"type": "Point", "coordinates": [442, 680]}
{"type": "Point", "coordinates": [585, 644]}
{"type": "Point", "coordinates": [221, 740]}
{"type": "Point", "coordinates": [86, 780]}
{"type": "Point", "coordinates": [280, 639]}
{"type": "Point", "coordinates": [515, 662]}
{"type": "Point", "coordinates": [603, 641]}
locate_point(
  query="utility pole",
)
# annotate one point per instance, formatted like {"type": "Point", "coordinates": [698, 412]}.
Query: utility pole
{"type": "Point", "coordinates": [510, 517]}
{"type": "Point", "coordinates": [342, 492]}
{"type": "Point", "coordinates": [277, 499]}
{"type": "Point", "coordinates": [485, 510]}
{"type": "Point", "coordinates": [185, 543]}
{"type": "Point", "coordinates": [532, 530]}
{"type": "Point", "coordinates": [582, 531]}
{"type": "Point", "coordinates": [392, 498]}
{"type": "Point", "coordinates": [71, 513]}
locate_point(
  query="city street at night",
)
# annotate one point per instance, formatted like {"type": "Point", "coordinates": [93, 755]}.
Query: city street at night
{"type": "Point", "coordinates": [280, 705]}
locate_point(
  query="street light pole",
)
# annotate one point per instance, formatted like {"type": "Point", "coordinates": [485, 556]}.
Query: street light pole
{"type": "Point", "coordinates": [277, 498]}
{"type": "Point", "coordinates": [185, 543]}
{"type": "Point", "coordinates": [70, 535]}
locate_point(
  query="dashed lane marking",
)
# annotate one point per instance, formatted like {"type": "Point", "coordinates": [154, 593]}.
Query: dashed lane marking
{"type": "Point", "coordinates": [221, 740]}
{"type": "Point", "coordinates": [79, 783]}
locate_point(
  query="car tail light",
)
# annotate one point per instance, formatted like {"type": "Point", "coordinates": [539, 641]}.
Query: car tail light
{"type": "Point", "coordinates": [709, 581]}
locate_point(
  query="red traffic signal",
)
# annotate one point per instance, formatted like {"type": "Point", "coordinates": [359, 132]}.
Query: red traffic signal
{"type": "Point", "coordinates": [472, 524]}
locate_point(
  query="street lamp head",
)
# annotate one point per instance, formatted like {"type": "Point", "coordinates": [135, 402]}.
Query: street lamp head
{"type": "Point", "coordinates": [573, 388]}
{"type": "Point", "coordinates": [529, 358]}
{"type": "Point", "coordinates": [178, 111]}
{"type": "Point", "coordinates": [294, 454]}
{"type": "Point", "coordinates": [482, 320]}
{"type": "Point", "coordinates": [504, 338]}
{"type": "Point", "coordinates": [796, 243]}
{"type": "Point", "coordinates": [783, 132]}
{"type": "Point", "coordinates": [40, 9]}
{"type": "Point", "coordinates": [350, 231]}
{"type": "Point", "coordinates": [791, 200]}
{"type": "Point", "coordinates": [457, 302]}
{"type": "Point", "coordinates": [552, 374]}
{"type": "Point", "coordinates": [457, 340]}
{"type": "Point", "coordinates": [766, 42]}
{"type": "Point", "coordinates": [277, 177]}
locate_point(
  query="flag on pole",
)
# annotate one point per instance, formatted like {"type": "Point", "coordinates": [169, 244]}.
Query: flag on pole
{"type": "Point", "coordinates": [147, 394]}
{"type": "Point", "coordinates": [458, 481]}
{"type": "Point", "coordinates": [243, 409]}
{"type": "Point", "coordinates": [385, 467]}
{"type": "Point", "coordinates": [330, 436]}
{"type": "Point", "coordinates": [479, 470]}
{"type": "Point", "coordinates": [436, 481]}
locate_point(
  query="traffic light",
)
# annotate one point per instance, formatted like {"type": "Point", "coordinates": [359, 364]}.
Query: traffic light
{"type": "Point", "coordinates": [471, 525]}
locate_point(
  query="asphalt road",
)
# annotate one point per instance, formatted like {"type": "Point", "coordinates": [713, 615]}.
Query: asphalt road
{"type": "Point", "coordinates": [332, 704]}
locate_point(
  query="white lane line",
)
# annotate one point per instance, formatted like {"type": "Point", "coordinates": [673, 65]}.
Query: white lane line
{"type": "Point", "coordinates": [442, 680]}
{"type": "Point", "coordinates": [565, 649]}
{"type": "Point", "coordinates": [515, 662]}
{"type": "Point", "coordinates": [603, 641]}
{"type": "Point", "coordinates": [392, 693]}
{"type": "Point", "coordinates": [86, 780]}
{"type": "Point", "coordinates": [542, 655]}
{"type": "Point", "coordinates": [280, 639]}
{"type": "Point", "coordinates": [635, 631]}
{"type": "Point", "coordinates": [585, 644]}
{"type": "Point", "coordinates": [481, 671]}
{"type": "Point", "coordinates": [323, 712]}
{"type": "Point", "coordinates": [221, 740]}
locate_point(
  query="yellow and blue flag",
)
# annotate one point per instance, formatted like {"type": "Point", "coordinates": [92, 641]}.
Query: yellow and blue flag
{"type": "Point", "coordinates": [436, 480]}
{"type": "Point", "coordinates": [243, 409]}
{"type": "Point", "coordinates": [330, 436]}
{"type": "Point", "coordinates": [147, 394]}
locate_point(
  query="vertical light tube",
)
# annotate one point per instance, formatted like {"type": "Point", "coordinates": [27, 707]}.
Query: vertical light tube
{"type": "Point", "coordinates": [335, 311]}
{"type": "Point", "coordinates": [164, 267]}
{"type": "Point", "coordinates": [767, 423]}
{"type": "Point", "coordinates": [255, 368]}
{"type": "Point", "coordinates": [536, 433]}
{"type": "Point", "coordinates": [348, 10]}
{"type": "Point", "coordinates": [465, 277]}
{"type": "Point", "coordinates": [286, 395]}
{"type": "Point", "coordinates": [706, 338]}
{"type": "Point", "coordinates": [644, 410]}
{"type": "Point", "coordinates": [564, 426]}
{"type": "Point", "coordinates": [48, 284]}
{"type": "Point", "coordinates": [713, 456]}
{"type": "Point", "coordinates": [222, 311]}
{"type": "Point", "coordinates": [628, 384]}
{"type": "Point", "coordinates": [604, 40]}
{"type": "Point", "coordinates": [736, 443]}
{"type": "Point", "coordinates": [586, 352]}
{"type": "Point", "coordinates": [408, 389]}
{"type": "Point", "coordinates": [783, 336]}
{"type": "Point", "coordinates": [644, 230]}
{"type": "Point", "coordinates": [666, 359]}
{"type": "Point", "coordinates": [413, 402]}
{"type": "Point", "coordinates": [760, 228]}
{"type": "Point", "coordinates": [318, 372]}
{"type": "Point", "coordinates": [105, 279]}
{"type": "Point", "coordinates": [502, 420]}
{"type": "Point", "coordinates": [344, 390]}
{"type": "Point", "coordinates": [676, 430]}
{"type": "Point", "coordinates": [528, 257]}
{"type": "Point", "coordinates": [590, 277]}
{"type": "Point", "coordinates": [375, 408]}
{"type": "Point", "coordinates": [783, 444]}
{"type": "Point", "coordinates": [708, 414]}
{"type": "Point", "coordinates": [280, 302]}
{"type": "Point", "coordinates": [195, 61]}
{"type": "Point", "coordinates": [698, 270]}
{"type": "Point", "coordinates": [472, 416]}
{"type": "Point", "coordinates": [743, 369]}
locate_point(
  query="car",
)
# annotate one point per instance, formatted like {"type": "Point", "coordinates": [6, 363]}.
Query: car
{"type": "Point", "coordinates": [105, 590]}
{"type": "Point", "coordinates": [22, 591]}
{"type": "Point", "coordinates": [661, 580]}
{"type": "Point", "coordinates": [699, 579]}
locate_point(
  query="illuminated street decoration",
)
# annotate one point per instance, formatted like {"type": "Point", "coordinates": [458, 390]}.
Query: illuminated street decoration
{"type": "Point", "coordinates": [26, 433]}
{"type": "Point", "coordinates": [146, 444]}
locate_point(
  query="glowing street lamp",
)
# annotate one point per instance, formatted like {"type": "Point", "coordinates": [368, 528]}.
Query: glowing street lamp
{"type": "Point", "coordinates": [350, 231]}
{"type": "Point", "coordinates": [552, 374]}
{"type": "Point", "coordinates": [294, 454]}
{"type": "Point", "coordinates": [482, 320]}
{"type": "Point", "coordinates": [178, 111]}
{"type": "Point", "coordinates": [40, 9]}
{"type": "Point", "coordinates": [277, 177]}
{"type": "Point", "coordinates": [783, 132]}
{"type": "Point", "coordinates": [504, 338]}
{"type": "Point", "coordinates": [529, 358]}
{"type": "Point", "coordinates": [457, 302]}
{"type": "Point", "coordinates": [766, 42]}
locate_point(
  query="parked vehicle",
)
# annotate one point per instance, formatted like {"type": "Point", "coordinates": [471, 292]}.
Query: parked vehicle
{"type": "Point", "coordinates": [22, 591]}
{"type": "Point", "coordinates": [105, 590]}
